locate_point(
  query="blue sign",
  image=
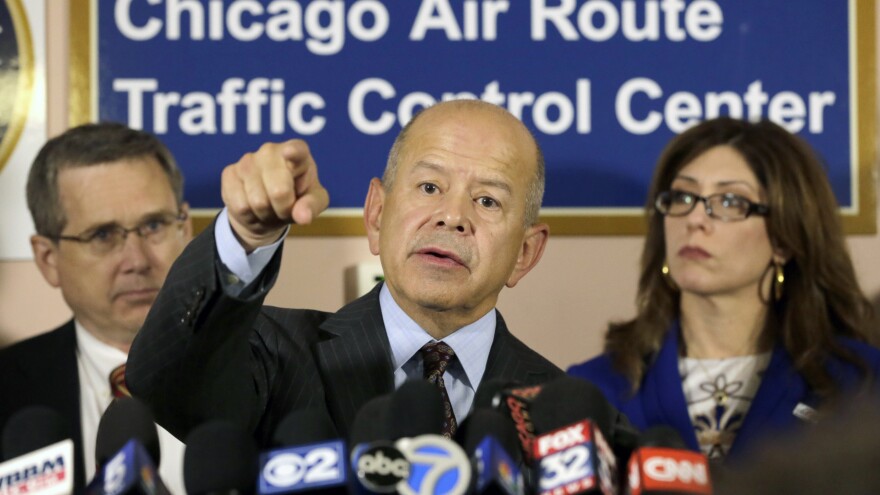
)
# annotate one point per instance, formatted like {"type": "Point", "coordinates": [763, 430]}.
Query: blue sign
{"type": "Point", "coordinates": [603, 84]}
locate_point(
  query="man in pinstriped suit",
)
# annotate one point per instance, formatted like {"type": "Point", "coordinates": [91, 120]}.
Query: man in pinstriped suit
{"type": "Point", "coordinates": [454, 219]}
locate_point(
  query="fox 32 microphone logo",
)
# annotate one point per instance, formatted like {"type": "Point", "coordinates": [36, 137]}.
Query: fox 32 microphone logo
{"type": "Point", "coordinates": [16, 74]}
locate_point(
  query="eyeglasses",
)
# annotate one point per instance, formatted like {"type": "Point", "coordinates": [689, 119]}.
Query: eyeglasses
{"type": "Point", "coordinates": [727, 207]}
{"type": "Point", "coordinates": [108, 238]}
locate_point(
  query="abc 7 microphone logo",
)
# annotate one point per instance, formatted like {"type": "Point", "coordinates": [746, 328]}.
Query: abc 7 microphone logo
{"type": "Point", "coordinates": [427, 464]}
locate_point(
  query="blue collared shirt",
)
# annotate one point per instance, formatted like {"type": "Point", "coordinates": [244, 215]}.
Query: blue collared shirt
{"type": "Point", "coordinates": [471, 343]}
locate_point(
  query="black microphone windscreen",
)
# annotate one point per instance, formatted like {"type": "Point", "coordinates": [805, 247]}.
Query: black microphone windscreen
{"type": "Point", "coordinates": [220, 457]}
{"type": "Point", "coordinates": [661, 436]}
{"type": "Point", "coordinates": [489, 393]}
{"type": "Point", "coordinates": [566, 400]}
{"type": "Point", "coordinates": [372, 421]}
{"type": "Point", "coordinates": [304, 426]}
{"type": "Point", "coordinates": [32, 428]}
{"type": "Point", "coordinates": [416, 408]}
{"type": "Point", "coordinates": [484, 421]}
{"type": "Point", "coordinates": [125, 419]}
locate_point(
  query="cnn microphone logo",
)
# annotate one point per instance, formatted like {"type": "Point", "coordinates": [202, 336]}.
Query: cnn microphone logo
{"type": "Point", "coordinates": [670, 470]}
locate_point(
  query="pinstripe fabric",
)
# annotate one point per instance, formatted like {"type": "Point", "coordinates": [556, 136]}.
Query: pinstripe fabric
{"type": "Point", "coordinates": [202, 354]}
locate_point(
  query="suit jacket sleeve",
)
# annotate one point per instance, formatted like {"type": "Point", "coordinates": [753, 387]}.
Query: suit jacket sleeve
{"type": "Point", "coordinates": [197, 356]}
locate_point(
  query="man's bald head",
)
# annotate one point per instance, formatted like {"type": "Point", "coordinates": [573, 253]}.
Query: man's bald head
{"type": "Point", "coordinates": [460, 109]}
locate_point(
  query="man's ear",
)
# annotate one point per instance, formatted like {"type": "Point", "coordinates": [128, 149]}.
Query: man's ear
{"type": "Point", "coordinates": [187, 224]}
{"type": "Point", "coordinates": [373, 213]}
{"type": "Point", "coordinates": [530, 252]}
{"type": "Point", "coordinates": [46, 258]}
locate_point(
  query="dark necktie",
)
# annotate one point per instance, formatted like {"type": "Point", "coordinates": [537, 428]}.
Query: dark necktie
{"type": "Point", "coordinates": [436, 357]}
{"type": "Point", "coordinates": [117, 382]}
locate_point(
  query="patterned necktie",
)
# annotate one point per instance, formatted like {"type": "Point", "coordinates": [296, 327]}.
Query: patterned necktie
{"type": "Point", "coordinates": [436, 357]}
{"type": "Point", "coordinates": [117, 382]}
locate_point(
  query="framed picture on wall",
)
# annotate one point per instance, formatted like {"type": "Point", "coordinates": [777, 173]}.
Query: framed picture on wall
{"type": "Point", "coordinates": [22, 115]}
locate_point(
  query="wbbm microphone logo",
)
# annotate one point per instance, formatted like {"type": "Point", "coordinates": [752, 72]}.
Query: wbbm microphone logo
{"type": "Point", "coordinates": [302, 468]}
{"type": "Point", "coordinates": [16, 75]}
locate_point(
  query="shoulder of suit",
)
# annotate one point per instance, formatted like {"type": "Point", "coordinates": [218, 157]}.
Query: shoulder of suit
{"type": "Point", "coordinates": [43, 341]}
{"type": "Point", "coordinates": [296, 324]}
{"type": "Point", "coordinates": [530, 355]}
{"type": "Point", "coordinates": [867, 352]}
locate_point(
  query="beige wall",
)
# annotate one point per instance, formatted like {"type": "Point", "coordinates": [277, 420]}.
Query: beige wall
{"type": "Point", "coordinates": [560, 309]}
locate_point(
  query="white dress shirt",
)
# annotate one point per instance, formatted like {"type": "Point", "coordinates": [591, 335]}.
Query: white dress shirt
{"type": "Point", "coordinates": [95, 360]}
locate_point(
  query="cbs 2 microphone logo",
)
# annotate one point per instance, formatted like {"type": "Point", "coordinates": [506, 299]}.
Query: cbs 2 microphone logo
{"type": "Point", "coordinates": [565, 459]}
{"type": "Point", "coordinates": [302, 468]}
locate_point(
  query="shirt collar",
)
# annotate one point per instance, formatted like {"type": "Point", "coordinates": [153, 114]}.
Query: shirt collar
{"type": "Point", "coordinates": [471, 343]}
{"type": "Point", "coordinates": [103, 357]}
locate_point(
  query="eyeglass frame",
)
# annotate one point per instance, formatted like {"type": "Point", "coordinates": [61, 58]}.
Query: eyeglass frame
{"type": "Point", "coordinates": [86, 237]}
{"type": "Point", "coordinates": [752, 208]}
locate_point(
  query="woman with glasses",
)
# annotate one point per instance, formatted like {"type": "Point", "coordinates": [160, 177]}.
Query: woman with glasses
{"type": "Point", "coordinates": [749, 316]}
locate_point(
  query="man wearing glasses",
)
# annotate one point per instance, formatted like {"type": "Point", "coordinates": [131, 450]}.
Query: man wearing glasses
{"type": "Point", "coordinates": [107, 204]}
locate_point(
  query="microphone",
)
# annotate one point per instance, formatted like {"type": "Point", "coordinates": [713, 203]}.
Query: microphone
{"type": "Point", "coordinates": [126, 418]}
{"type": "Point", "coordinates": [565, 400]}
{"type": "Point", "coordinates": [570, 452]}
{"type": "Point", "coordinates": [32, 428]}
{"type": "Point", "coordinates": [490, 439]}
{"type": "Point", "coordinates": [437, 464]}
{"type": "Point", "coordinates": [411, 457]}
{"type": "Point", "coordinates": [127, 451]}
{"type": "Point", "coordinates": [372, 422]}
{"type": "Point", "coordinates": [38, 454]}
{"type": "Point", "coordinates": [378, 466]}
{"type": "Point", "coordinates": [220, 459]}
{"type": "Point", "coordinates": [312, 460]}
{"type": "Point", "coordinates": [130, 471]}
{"type": "Point", "coordinates": [304, 426]}
{"type": "Point", "coordinates": [662, 465]}
{"type": "Point", "coordinates": [516, 403]}
{"type": "Point", "coordinates": [490, 393]}
{"type": "Point", "coordinates": [415, 408]}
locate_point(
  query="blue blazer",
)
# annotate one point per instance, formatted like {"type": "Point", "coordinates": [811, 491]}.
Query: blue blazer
{"type": "Point", "coordinates": [660, 399]}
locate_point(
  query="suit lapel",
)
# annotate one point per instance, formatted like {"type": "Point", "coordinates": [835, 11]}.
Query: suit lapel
{"type": "Point", "coordinates": [506, 362]}
{"type": "Point", "coordinates": [355, 358]}
{"type": "Point", "coordinates": [662, 395]}
{"type": "Point", "coordinates": [55, 372]}
{"type": "Point", "coordinates": [780, 392]}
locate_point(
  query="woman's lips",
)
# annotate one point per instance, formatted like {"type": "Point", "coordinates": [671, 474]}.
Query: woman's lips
{"type": "Point", "coordinates": [693, 252]}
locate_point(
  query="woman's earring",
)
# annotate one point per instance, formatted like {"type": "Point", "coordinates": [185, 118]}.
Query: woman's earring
{"type": "Point", "coordinates": [664, 270]}
{"type": "Point", "coordinates": [778, 280]}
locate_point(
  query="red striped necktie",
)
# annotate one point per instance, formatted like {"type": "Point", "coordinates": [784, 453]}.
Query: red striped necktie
{"type": "Point", "coordinates": [117, 382]}
{"type": "Point", "coordinates": [436, 357]}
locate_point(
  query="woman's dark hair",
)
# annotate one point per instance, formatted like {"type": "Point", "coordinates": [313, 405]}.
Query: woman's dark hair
{"type": "Point", "coordinates": [821, 297]}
